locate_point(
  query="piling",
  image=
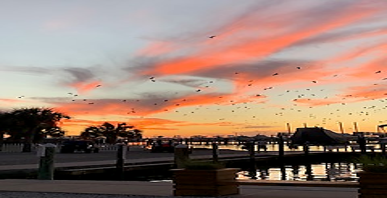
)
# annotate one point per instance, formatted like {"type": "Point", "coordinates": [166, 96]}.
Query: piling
{"type": "Point", "coordinates": [306, 149]}
{"type": "Point", "coordinates": [181, 155]}
{"type": "Point", "coordinates": [280, 147]}
{"type": "Point", "coordinates": [46, 168]}
{"type": "Point", "coordinates": [251, 149]}
{"type": "Point", "coordinates": [215, 152]}
{"type": "Point", "coordinates": [120, 161]}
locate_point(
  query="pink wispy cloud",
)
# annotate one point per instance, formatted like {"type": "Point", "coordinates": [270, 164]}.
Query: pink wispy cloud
{"type": "Point", "coordinates": [84, 87]}
{"type": "Point", "coordinates": [262, 46]}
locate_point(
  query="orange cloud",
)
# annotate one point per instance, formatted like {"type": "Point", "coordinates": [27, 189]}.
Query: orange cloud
{"type": "Point", "coordinates": [83, 87]}
{"type": "Point", "coordinates": [9, 101]}
{"type": "Point", "coordinates": [148, 106]}
{"type": "Point", "coordinates": [316, 102]}
{"type": "Point", "coordinates": [157, 48]}
{"type": "Point", "coordinates": [258, 47]}
{"type": "Point", "coordinates": [375, 91]}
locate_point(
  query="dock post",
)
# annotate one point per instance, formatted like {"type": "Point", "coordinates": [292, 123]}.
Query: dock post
{"type": "Point", "coordinates": [280, 147]}
{"type": "Point", "coordinates": [181, 155]}
{"type": "Point", "coordinates": [251, 147]}
{"type": "Point", "coordinates": [215, 152]}
{"type": "Point", "coordinates": [281, 156]}
{"type": "Point", "coordinates": [121, 155]}
{"type": "Point", "coordinates": [253, 168]}
{"type": "Point", "coordinates": [362, 143]}
{"type": "Point", "coordinates": [306, 148]}
{"type": "Point", "coordinates": [46, 169]}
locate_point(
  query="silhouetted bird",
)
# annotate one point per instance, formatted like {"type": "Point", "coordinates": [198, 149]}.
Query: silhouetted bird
{"type": "Point", "coordinates": [212, 37]}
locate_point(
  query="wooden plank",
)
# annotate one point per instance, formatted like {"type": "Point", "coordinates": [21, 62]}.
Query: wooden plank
{"type": "Point", "coordinates": [203, 187]}
{"type": "Point", "coordinates": [208, 192]}
{"type": "Point", "coordinates": [200, 177]}
{"type": "Point", "coordinates": [373, 191]}
{"type": "Point", "coordinates": [375, 181]}
{"type": "Point", "coordinates": [372, 186]}
{"type": "Point", "coordinates": [372, 196]}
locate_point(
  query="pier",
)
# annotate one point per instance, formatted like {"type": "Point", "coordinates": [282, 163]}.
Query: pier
{"type": "Point", "coordinates": [138, 160]}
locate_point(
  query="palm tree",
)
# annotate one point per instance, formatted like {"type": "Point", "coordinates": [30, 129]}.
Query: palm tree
{"type": "Point", "coordinates": [33, 121]}
{"type": "Point", "coordinates": [131, 134]}
{"type": "Point", "coordinates": [5, 126]}
{"type": "Point", "coordinates": [52, 132]}
{"type": "Point", "coordinates": [112, 132]}
{"type": "Point", "coordinates": [91, 132]}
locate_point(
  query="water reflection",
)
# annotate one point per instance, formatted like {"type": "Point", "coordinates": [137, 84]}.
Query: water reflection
{"type": "Point", "coordinates": [307, 172]}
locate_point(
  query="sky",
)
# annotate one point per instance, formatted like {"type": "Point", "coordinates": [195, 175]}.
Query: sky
{"type": "Point", "coordinates": [214, 67]}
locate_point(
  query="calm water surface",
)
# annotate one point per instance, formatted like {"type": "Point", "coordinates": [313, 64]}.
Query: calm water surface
{"type": "Point", "coordinates": [314, 172]}
{"type": "Point", "coordinates": [343, 171]}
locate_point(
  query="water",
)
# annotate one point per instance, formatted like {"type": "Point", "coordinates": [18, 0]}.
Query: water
{"type": "Point", "coordinates": [334, 172]}
{"type": "Point", "coordinates": [314, 172]}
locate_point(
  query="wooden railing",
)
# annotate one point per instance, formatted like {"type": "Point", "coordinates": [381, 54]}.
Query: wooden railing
{"type": "Point", "coordinates": [17, 147]}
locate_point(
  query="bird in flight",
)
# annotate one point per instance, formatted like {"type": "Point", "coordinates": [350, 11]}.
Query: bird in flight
{"type": "Point", "coordinates": [212, 37]}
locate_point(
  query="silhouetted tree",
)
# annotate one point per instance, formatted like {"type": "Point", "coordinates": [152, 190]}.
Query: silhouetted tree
{"type": "Point", "coordinates": [49, 132]}
{"type": "Point", "coordinates": [34, 121]}
{"type": "Point", "coordinates": [91, 132]}
{"type": "Point", "coordinates": [131, 134]}
{"type": "Point", "coordinates": [111, 132]}
{"type": "Point", "coordinates": [6, 121]}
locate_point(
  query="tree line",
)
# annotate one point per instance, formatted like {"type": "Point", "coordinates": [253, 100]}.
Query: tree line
{"type": "Point", "coordinates": [32, 125]}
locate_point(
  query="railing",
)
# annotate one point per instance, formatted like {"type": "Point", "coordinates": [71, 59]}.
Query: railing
{"type": "Point", "coordinates": [18, 147]}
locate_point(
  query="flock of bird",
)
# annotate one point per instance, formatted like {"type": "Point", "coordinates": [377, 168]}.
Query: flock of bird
{"type": "Point", "coordinates": [171, 104]}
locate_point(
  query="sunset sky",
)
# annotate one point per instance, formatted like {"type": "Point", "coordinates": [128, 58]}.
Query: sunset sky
{"type": "Point", "coordinates": [210, 67]}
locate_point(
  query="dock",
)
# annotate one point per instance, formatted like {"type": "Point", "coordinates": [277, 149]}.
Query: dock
{"type": "Point", "coordinates": [22, 165]}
